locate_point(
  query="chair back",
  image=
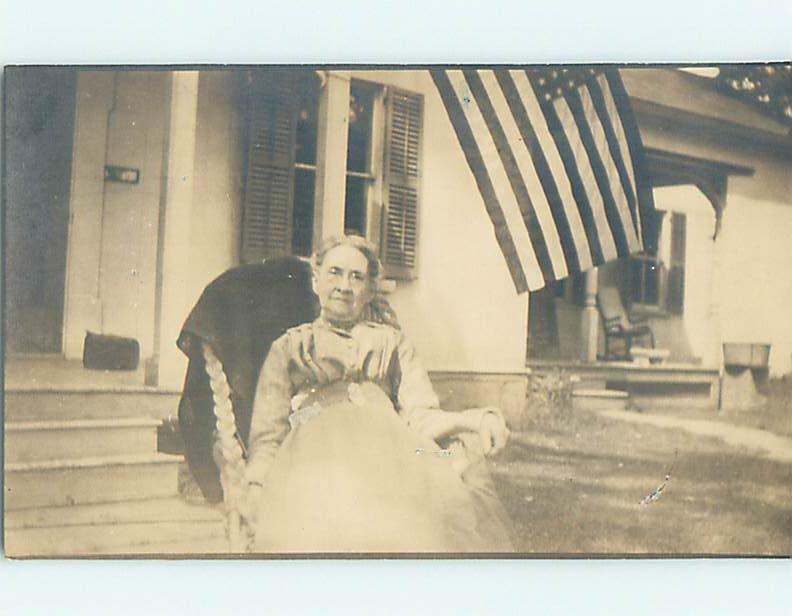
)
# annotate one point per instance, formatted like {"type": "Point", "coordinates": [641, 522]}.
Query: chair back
{"type": "Point", "coordinates": [612, 309]}
{"type": "Point", "coordinates": [239, 315]}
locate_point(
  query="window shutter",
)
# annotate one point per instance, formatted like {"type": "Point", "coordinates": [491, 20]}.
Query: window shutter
{"type": "Point", "coordinates": [401, 181]}
{"type": "Point", "coordinates": [269, 185]}
{"type": "Point", "coordinates": [676, 272]}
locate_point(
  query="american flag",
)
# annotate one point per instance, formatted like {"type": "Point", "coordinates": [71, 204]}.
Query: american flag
{"type": "Point", "coordinates": [558, 160]}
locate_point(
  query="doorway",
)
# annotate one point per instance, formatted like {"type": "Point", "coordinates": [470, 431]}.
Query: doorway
{"type": "Point", "coordinates": [39, 121]}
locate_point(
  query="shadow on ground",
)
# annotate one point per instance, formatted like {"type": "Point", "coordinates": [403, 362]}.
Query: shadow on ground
{"type": "Point", "coordinates": [574, 485]}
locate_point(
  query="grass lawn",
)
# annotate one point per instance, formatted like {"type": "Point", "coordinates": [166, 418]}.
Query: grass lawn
{"type": "Point", "coordinates": [573, 484]}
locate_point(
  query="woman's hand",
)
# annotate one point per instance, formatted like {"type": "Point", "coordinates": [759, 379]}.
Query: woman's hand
{"type": "Point", "coordinates": [492, 431]}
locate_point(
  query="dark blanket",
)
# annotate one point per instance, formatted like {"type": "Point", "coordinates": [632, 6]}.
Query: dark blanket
{"type": "Point", "coordinates": [239, 315]}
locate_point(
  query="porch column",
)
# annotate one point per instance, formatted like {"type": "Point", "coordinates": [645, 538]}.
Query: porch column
{"type": "Point", "coordinates": [173, 290]}
{"type": "Point", "coordinates": [333, 129]}
{"type": "Point", "coordinates": [589, 326]}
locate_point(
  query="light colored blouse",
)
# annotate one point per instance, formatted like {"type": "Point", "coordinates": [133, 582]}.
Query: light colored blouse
{"type": "Point", "coordinates": [316, 354]}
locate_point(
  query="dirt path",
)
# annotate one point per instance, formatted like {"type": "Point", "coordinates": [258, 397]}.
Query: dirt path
{"type": "Point", "coordinates": [768, 444]}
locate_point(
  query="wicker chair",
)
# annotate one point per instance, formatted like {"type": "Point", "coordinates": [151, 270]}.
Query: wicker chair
{"type": "Point", "coordinates": [226, 338]}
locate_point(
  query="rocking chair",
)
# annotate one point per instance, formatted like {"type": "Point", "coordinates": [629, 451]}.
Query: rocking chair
{"type": "Point", "coordinates": [226, 338]}
{"type": "Point", "coordinates": [619, 326]}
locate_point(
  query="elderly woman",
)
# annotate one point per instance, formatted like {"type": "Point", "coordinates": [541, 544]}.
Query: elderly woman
{"type": "Point", "coordinates": [343, 450]}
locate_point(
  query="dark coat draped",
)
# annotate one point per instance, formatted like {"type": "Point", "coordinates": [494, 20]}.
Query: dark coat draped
{"type": "Point", "coordinates": [239, 315]}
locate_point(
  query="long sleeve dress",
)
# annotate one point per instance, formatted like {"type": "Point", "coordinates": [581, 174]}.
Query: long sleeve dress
{"type": "Point", "coordinates": [338, 442]}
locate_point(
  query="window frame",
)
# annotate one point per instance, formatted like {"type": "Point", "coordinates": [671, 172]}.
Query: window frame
{"type": "Point", "coordinates": [330, 171]}
{"type": "Point", "coordinates": [376, 154]}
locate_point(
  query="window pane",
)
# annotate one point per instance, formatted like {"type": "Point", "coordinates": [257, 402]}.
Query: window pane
{"type": "Point", "coordinates": [355, 208]}
{"type": "Point", "coordinates": [303, 213]}
{"type": "Point", "coordinates": [652, 283]}
{"type": "Point", "coordinates": [361, 102]}
{"type": "Point", "coordinates": [636, 281]}
{"type": "Point", "coordinates": [307, 112]}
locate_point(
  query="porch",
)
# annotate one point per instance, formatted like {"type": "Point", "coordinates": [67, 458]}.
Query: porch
{"type": "Point", "coordinates": [83, 470]}
{"type": "Point", "coordinates": [667, 385]}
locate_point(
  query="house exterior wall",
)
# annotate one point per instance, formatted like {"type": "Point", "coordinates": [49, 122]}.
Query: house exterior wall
{"type": "Point", "coordinates": [461, 311]}
{"type": "Point", "coordinates": [112, 272]}
{"type": "Point", "coordinates": [755, 291]}
{"type": "Point", "coordinates": [751, 288]}
{"type": "Point", "coordinates": [219, 161]}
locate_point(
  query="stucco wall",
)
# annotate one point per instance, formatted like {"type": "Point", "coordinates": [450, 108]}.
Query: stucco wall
{"type": "Point", "coordinates": [462, 311]}
{"type": "Point", "coordinates": [751, 258]}
{"type": "Point", "coordinates": [755, 293]}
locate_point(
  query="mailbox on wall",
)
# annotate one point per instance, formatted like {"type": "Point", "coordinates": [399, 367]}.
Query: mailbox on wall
{"type": "Point", "coordinates": [124, 175]}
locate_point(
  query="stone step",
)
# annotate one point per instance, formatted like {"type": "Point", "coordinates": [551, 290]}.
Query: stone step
{"type": "Point", "coordinates": [89, 480]}
{"type": "Point", "coordinates": [32, 441]}
{"type": "Point", "coordinates": [23, 404]}
{"type": "Point", "coordinates": [600, 399]}
{"type": "Point", "coordinates": [119, 539]}
{"type": "Point", "coordinates": [588, 382]}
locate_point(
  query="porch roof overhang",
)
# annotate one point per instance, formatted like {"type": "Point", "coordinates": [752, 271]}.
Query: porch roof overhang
{"type": "Point", "coordinates": [709, 176]}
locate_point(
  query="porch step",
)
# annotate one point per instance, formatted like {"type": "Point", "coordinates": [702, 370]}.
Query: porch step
{"type": "Point", "coordinates": [89, 480]}
{"type": "Point", "coordinates": [120, 533]}
{"type": "Point", "coordinates": [42, 404]}
{"type": "Point", "coordinates": [655, 385]}
{"type": "Point", "coordinates": [34, 441]}
{"type": "Point", "coordinates": [167, 509]}
{"type": "Point", "coordinates": [600, 399]}
{"type": "Point", "coordinates": [203, 546]}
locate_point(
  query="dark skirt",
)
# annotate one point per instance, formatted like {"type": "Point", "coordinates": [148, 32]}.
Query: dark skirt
{"type": "Point", "coordinates": [354, 478]}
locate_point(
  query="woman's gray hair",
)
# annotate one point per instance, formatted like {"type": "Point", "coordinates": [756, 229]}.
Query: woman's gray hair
{"type": "Point", "coordinates": [366, 248]}
{"type": "Point", "coordinates": [379, 309]}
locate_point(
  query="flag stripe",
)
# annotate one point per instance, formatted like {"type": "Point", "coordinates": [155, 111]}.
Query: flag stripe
{"type": "Point", "coordinates": [558, 160]}
{"type": "Point", "coordinates": [483, 181]}
{"type": "Point", "coordinates": [576, 182]}
{"type": "Point", "coordinates": [633, 140]}
{"type": "Point", "coordinates": [556, 166]}
{"type": "Point", "coordinates": [534, 164]}
{"type": "Point", "coordinates": [512, 172]}
{"type": "Point", "coordinates": [587, 179]}
{"type": "Point", "coordinates": [611, 172]}
{"type": "Point", "coordinates": [500, 182]}
{"type": "Point", "coordinates": [615, 147]}
{"type": "Point", "coordinates": [615, 224]}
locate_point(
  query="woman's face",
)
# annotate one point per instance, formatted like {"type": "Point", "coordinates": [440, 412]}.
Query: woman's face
{"type": "Point", "coordinates": [343, 284]}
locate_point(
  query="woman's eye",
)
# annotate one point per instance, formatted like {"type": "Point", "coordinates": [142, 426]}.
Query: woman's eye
{"type": "Point", "coordinates": [357, 276]}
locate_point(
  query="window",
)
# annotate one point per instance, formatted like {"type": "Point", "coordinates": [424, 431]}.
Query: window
{"type": "Point", "coordinates": [305, 168]}
{"type": "Point", "coordinates": [657, 278]}
{"type": "Point", "coordinates": [286, 154]}
{"type": "Point", "coordinates": [646, 280]}
{"type": "Point", "coordinates": [359, 175]}
{"type": "Point", "coordinates": [280, 181]}
{"type": "Point", "coordinates": [675, 297]}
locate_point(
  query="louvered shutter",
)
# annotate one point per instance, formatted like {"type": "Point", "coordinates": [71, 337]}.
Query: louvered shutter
{"type": "Point", "coordinates": [401, 182]}
{"type": "Point", "coordinates": [269, 185]}
{"type": "Point", "coordinates": [676, 272]}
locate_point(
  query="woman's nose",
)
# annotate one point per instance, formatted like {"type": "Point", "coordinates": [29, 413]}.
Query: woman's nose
{"type": "Point", "coordinates": [343, 283]}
